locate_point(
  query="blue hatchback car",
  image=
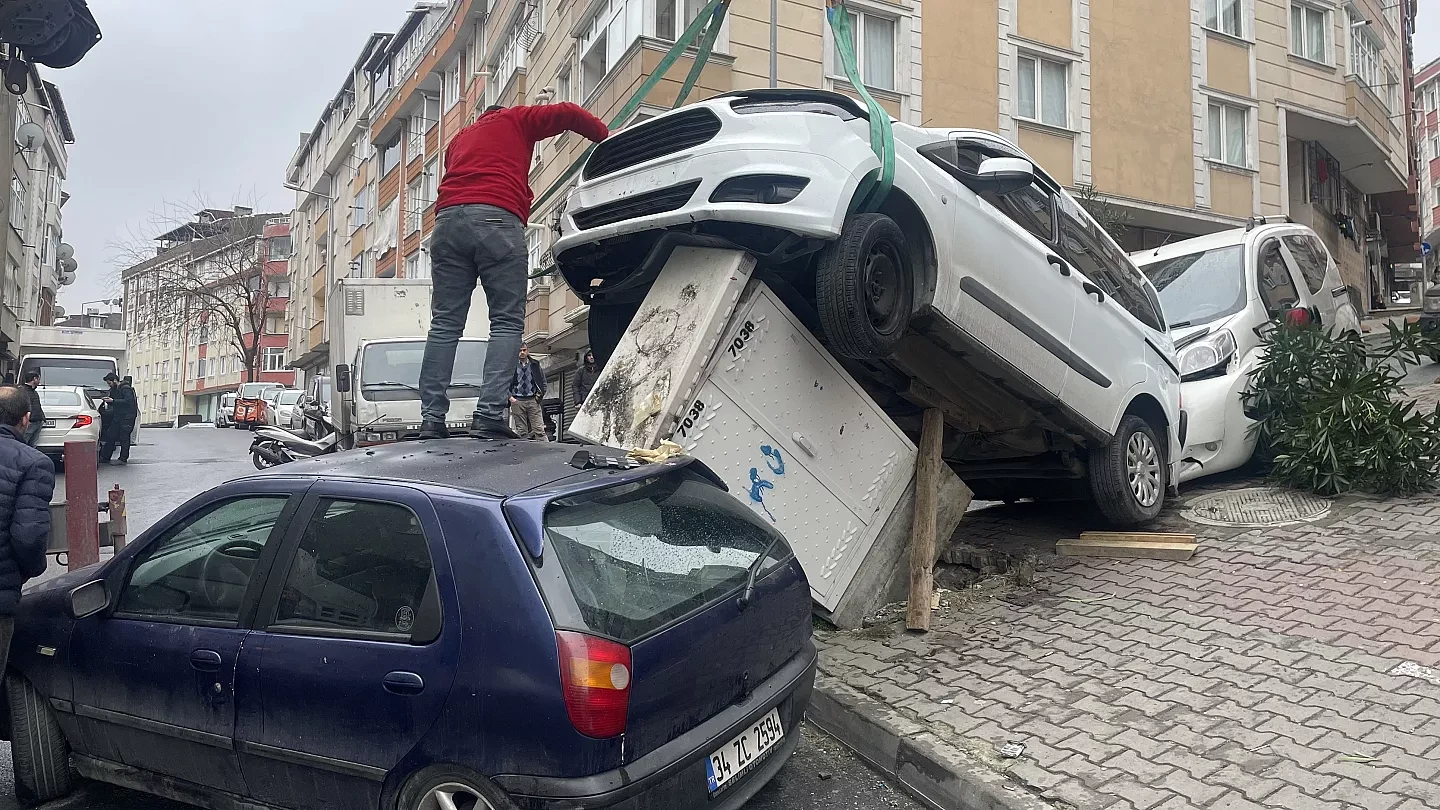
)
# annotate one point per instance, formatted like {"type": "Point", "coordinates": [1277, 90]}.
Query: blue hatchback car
{"type": "Point", "coordinates": [444, 625]}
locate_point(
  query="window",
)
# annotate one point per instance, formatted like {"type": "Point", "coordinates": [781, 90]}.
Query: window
{"type": "Point", "coordinates": [874, 41]}
{"type": "Point", "coordinates": [165, 406]}
{"type": "Point", "coordinates": [562, 84]}
{"type": "Point", "coordinates": [52, 185]}
{"type": "Point", "coordinates": [1085, 246]}
{"type": "Point", "coordinates": [1277, 288]}
{"type": "Point", "coordinates": [415, 143]}
{"type": "Point", "coordinates": [1312, 258]}
{"type": "Point", "coordinates": [672, 17]}
{"type": "Point", "coordinates": [360, 211]}
{"type": "Point", "coordinates": [1365, 57]}
{"type": "Point", "coordinates": [414, 206]}
{"type": "Point", "coordinates": [1043, 90]}
{"type": "Point", "coordinates": [274, 324]}
{"type": "Point", "coordinates": [191, 369]}
{"type": "Point", "coordinates": [452, 85]}
{"type": "Point", "coordinates": [281, 248]}
{"type": "Point", "coordinates": [535, 246]}
{"type": "Point", "coordinates": [1392, 90]}
{"type": "Point", "coordinates": [17, 203]}
{"type": "Point", "coordinates": [362, 568]}
{"type": "Point", "coordinates": [175, 378]}
{"type": "Point", "coordinates": [1309, 32]}
{"type": "Point", "coordinates": [47, 244]}
{"type": "Point", "coordinates": [1229, 136]}
{"type": "Point", "coordinates": [389, 156]}
{"type": "Point", "coordinates": [1224, 16]}
{"type": "Point", "coordinates": [274, 359]}
{"type": "Point", "coordinates": [278, 288]}
{"type": "Point", "coordinates": [429, 182]}
{"type": "Point", "coordinates": [412, 265]}
{"type": "Point", "coordinates": [199, 571]}
{"type": "Point", "coordinates": [604, 39]}
{"type": "Point", "coordinates": [200, 369]}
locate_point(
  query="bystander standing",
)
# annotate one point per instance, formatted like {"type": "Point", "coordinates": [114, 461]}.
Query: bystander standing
{"type": "Point", "coordinates": [27, 484]}
{"type": "Point", "coordinates": [527, 390]}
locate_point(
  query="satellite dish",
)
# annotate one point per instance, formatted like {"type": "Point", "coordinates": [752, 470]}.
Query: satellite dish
{"type": "Point", "coordinates": [59, 311]}
{"type": "Point", "coordinates": [65, 251]}
{"type": "Point", "coordinates": [69, 265]}
{"type": "Point", "coordinates": [67, 279]}
{"type": "Point", "coordinates": [30, 135]}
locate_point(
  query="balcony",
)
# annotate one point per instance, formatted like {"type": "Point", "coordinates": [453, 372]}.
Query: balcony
{"type": "Point", "coordinates": [317, 334]}
{"type": "Point", "coordinates": [1363, 140]}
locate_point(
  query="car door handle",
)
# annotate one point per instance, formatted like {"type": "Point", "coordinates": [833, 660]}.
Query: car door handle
{"type": "Point", "coordinates": [404, 683]}
{"type": "Point", "coordinates": [1091, 289]}
{"type": "Point", "coordinates": [205, 660]}
{"type": "Point", "coordinates": [1059, 264]}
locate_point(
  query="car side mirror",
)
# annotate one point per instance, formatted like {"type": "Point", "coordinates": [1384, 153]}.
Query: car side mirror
{"type": "Point", "coordinates": [342, 378]}
{"type": "Point", "coordinates": [1004, 175]}
{"type": "Point", "coordinates": [88, 600]}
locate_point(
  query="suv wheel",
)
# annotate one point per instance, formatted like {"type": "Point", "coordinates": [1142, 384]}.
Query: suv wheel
{"type": "Point", "coordinates": [1128, 476]}
{"type": "Point", "coordinates": [445, 787]}
{"type": "Point", "coordinates": [865, 288]}
{"type": "Point", "coordinates": [38, 748]}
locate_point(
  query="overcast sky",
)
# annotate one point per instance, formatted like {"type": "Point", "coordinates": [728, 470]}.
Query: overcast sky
{"type": "Point", "coordinates": [184, 97]}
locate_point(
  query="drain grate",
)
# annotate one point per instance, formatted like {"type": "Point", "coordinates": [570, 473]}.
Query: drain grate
{"type": "Point", "coordinates": [1256, 508]}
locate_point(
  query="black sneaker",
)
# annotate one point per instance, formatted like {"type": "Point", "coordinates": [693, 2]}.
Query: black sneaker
{"type": "Point", "coordinates": [485, 428]}
{"type": "Point", "coordinates": [434, 429]}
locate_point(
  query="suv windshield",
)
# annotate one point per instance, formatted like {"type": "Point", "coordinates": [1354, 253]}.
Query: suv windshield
{"type": "Point", "coordinates": [1199, 288]}
{"type": "Point", "coordinates": [391, 371]}
{"type": "Point", "coordinates": [638, 556]}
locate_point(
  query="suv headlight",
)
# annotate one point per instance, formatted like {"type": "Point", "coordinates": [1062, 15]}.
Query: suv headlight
{"type": "Point", "coordinates": [1208, 357]}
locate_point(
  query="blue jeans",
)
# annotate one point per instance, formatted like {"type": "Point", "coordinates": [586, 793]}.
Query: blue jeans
{"type": "Point", "coordinates": [484, 244]}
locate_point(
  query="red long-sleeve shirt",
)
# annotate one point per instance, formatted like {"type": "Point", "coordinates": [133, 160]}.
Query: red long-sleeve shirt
{"type": "Point", "coordinates": [489, 161]}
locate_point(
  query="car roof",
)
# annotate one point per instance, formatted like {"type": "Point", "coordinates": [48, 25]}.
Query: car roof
{"type": "Point", "coordinates": [74, 388]}
{"type": "Point", "coordinates": [499, 469]}
{"type": "Point", "coordinates": [1230, 237]}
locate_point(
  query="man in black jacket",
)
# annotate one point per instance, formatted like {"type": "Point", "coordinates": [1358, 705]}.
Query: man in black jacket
{"type": "Point", "coordinates": [27, 483]}
{"type": "Point", "coordinates": [117, 424]}
{"type": "Point", "coordinates": [37, 409]}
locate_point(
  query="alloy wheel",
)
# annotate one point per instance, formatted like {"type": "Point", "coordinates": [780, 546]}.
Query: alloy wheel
{"type": "Point", "coordinates": [454, 796]}
{"type": "Point", "coordinates": [1142, 467]}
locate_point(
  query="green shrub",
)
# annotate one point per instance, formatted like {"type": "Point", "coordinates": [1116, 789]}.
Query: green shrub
{"type": "Point", "coordinates": [1334, 417]}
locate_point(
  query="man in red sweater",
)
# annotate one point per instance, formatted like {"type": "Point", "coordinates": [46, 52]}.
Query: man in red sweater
{"type": "Point", "coordinates": [483, 205]}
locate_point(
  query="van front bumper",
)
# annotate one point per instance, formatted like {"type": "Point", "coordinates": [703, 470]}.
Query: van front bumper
{"type": "Point", "coordinates": [673, 775]}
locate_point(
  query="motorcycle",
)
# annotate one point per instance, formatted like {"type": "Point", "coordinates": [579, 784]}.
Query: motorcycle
{"type": "Point", "coordinates": [275, 445]}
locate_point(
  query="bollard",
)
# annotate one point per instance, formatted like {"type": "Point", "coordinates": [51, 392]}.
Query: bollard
{"type": "Point", "coordinates": [116, 496]}
{"type": "Point", "coordinates": [82, 522]}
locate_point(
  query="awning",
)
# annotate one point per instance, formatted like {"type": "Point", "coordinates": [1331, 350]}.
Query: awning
{"type": "Point", "coordinates": [1364, 160]}
{"type": "Point", "coordinates": [315, 357]}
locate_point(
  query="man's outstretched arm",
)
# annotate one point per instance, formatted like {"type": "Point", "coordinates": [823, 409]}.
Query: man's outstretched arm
{"type": "Point", "coordinates": [548, 120]}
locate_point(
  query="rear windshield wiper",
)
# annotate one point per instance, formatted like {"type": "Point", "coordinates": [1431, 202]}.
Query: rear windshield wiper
{"type": "Point", "coordinates": [754, 571]}
{"type": "Point", "coordinates": [1180, 325]}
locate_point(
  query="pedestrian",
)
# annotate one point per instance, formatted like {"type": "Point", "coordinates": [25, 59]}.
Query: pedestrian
{"type": "Point", "coordinates": [483, 207]}
{"type": "Point", "coordinates": [27, 485]}
{"type": "Point", "coordinates": [527, 390]}
{"type": "Point", "coordinates": [585, 378]}
{"type": "Point", "coordinates": [37, 408]}
{"type": "Point", "coordinates": [117, 421]}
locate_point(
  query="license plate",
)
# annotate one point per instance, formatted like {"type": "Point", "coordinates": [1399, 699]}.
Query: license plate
{"type": "Point", "coordinates": [49, 423]}
{"type": "Point", "coordinates": [732, 759]}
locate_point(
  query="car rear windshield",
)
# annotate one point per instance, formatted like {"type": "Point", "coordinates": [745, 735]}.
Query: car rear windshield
{"type": "Point", "coordinates": [257, 390]}
{"type": "Point", "coordinates": [60, 399]}
{"type": "Point", "coordinates": [290, 397]}
{"type": "Point", "coordinates": [1200, 288]}
{"type": "Point", "coordinates": [638, 556]}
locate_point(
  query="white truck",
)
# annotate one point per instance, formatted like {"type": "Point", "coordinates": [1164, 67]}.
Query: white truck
{"type": "Point", "coordinates": [377, 341]}
{"type": "Point", "coordinates": [74, 355]}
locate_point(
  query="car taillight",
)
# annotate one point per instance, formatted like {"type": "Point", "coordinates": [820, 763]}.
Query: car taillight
{"type": "Point", "coordinates": [83, 420]}
{"type": "Point", "coordinates": [595, 676]}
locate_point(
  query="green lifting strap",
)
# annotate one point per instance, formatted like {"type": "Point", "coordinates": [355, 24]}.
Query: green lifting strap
{"type": "Point", "coordinates": [882, 139]}
{"type": "Point", "coordinates": [708, 20]}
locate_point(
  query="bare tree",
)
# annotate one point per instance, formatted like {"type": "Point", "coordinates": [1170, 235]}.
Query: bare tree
{"type": "Point", "coordinates": [209, 274]}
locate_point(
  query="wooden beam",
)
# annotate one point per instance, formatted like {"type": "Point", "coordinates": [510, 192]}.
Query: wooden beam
{"type": "Point", "coordinates": [1129, 544]}
{"type": "Point", "coordinates": [922, 543]}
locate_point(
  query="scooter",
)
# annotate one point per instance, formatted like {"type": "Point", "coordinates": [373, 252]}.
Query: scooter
{"type": "Point", "coordinates": [274, 445]}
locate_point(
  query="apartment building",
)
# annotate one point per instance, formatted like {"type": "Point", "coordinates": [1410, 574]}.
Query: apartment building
{"type": "Point", "coordinates": [217, 288]}
{"type": "Point", "coordinates": [1193, 116]}
{"type": "Point", "coordinates": [1427, 150]}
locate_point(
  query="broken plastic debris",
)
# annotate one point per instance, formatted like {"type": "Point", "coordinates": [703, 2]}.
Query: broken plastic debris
{"type": "Point", "coordinates": [666, 450]}
{"type": "Point", "coordinates": [1362, 758]}
{"type": "Point", "coordinates": [1012, 750]}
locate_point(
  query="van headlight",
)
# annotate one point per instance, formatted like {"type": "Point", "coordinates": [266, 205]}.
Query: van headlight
{"type": "Point", "coordinates": [1208, 357]}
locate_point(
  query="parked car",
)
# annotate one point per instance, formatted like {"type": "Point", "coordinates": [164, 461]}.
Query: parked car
{"type": "Point", "coordinates": [225, 413]}
{"type": "Point", "coordinates": [980, 285]}
{"type": "Point", "coordinates": [312, 415]}
{"type": "Point", "coordinates": [484, 624]}
{"type": "Point", "coordinates": [281, 406]}
{"type": "Point", "coordinates": [1430, 315]}
{"type": "Point", "coordinates": [70, 416]}
{"type": "Point", "coordinates": [1219, 292]}
{"type": "Point", "coordinates": [250, 403]}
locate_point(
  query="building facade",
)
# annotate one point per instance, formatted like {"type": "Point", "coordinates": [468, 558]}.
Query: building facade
{"type": "Point", "coordinates": [217, 288]}
{"type": "Point", "coordinates": [1193, 116]}
{"type": "Point", "coordinates": [1427, 150]}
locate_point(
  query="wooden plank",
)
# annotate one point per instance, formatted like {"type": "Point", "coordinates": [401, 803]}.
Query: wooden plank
{"type": "Point", "coordinates": [1143, 549]}
{"type": "Point", "coordinates": [1137, 537]}
{"type": "Point", "coordinates": [922, 543]}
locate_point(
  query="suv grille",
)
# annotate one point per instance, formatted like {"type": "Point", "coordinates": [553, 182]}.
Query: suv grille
{"type": "Point", "coordinates": [672, 134]}
{"type": "Point", "coordinates": [640, 205]}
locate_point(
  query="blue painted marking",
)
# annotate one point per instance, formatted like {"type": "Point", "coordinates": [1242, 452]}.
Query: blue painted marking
{"type": "Point", "coordinates": [773, 459]}
{"type": "Point", "coordinates": [758, 486]}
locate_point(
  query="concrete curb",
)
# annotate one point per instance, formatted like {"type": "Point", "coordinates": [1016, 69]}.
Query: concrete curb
{"type": "Point", "coordinates": [934, 771]}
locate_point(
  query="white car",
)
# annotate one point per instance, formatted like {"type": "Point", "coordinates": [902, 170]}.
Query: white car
{"type": "Point", "coordinates": [70, 416]}
{"type": "Point", "coordinates": [1219, 292]}
{"type": "Point", "coordinates": [280, 408]}
{"type": "Point", "coordinates": [980, 286]}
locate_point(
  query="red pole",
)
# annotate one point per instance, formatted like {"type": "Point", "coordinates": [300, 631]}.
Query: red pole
{"type": "Point", "coordinates": [82, 504]}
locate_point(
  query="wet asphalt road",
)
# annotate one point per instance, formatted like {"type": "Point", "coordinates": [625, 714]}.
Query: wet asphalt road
{"type": "Point", "coordinates": [170, 466]}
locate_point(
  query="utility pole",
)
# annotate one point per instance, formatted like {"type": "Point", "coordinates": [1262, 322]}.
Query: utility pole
{"type": "Point", "coordinates": [774, 43]}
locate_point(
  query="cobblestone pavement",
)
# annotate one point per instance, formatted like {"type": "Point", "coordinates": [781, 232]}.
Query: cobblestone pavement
{"type": "Point", "coordinates": [1294, 668]}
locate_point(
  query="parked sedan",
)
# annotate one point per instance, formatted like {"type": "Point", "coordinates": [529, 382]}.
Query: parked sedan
{"type": "Point", "coordinates": [70, 416]}
{"type": "Point", "coordinates": [281, 406]}
{"type": "Point", "coordinates": [487, 625]}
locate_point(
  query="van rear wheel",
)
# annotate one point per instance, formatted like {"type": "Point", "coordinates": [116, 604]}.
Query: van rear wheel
{"type": "Point", "coordinates": [1128, 476]}
{"type": "Point", "coordinates": [865, 288]}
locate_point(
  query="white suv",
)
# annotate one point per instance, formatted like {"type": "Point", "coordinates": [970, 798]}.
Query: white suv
{"type": "Point", "coordinates": [980, 287]}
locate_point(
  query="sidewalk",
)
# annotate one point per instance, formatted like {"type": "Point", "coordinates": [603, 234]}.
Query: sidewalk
{"type": "Point", "coordinates": [1294, 667]}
